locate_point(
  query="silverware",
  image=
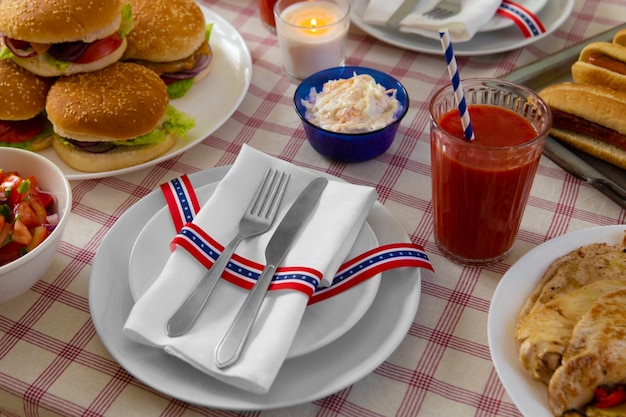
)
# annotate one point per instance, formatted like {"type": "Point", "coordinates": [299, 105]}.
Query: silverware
{"type": "Point", "coordinates": [444, 9]}
{"type": "Point", "coordinates": [405, 8]}
{"type": "Point", "coordinates": [584, 171]}
{"type": "Point", "coordinates": [231, 346]}
{"type": "Point", "coordinates": [441, 10]}
{"type": "Point", "coordinates": [257, 219]}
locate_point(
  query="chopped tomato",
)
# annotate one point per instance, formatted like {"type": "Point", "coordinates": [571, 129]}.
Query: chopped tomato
{"type": "Point", "coordinates": [10, 186]}
{"type": "Point", "coordinates": [39, 234]}
{"type": "Point", "coordinates": [24, 211]}
{"type": "Point", "coordinates": [21, 234]}
{"type": "Point", "coordinates": [99, 49]}
{"type": "Point", "coordinates": [5, 231]}
{"type": "Point", "coordinates": [10, 252]}
{"type": "Point", "coordinates": [607, 397]}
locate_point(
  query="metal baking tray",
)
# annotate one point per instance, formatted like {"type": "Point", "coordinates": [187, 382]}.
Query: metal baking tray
{"type": "Point", "coordinates": [607, 178]}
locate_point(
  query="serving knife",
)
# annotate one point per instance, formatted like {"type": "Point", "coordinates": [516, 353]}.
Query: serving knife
{"type": "Point", "coordinates": [405, 8]}
{"type": "Point", "coordinates": [584, 171]}
{"type": "Point", "coordinates": [231, 346]}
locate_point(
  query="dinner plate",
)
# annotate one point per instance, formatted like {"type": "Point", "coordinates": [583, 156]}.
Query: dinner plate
{"type": "Point", "coordinates": [306, 378]}
{"type": "Point", "coordinates": [552, 15]}
{"type": "Point", "coordinates": [322, 322]}
{"type": "Point", "coordinates": [500, 22]}
{"type": "Point", "coordinates": [211, 101]}
{"type": "Point", "coordinates": [530, 396]}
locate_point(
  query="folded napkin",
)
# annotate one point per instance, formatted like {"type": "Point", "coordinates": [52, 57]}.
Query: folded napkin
{"type": "Point", "coordinates": [323, 245]}
{"type": "Point", "coordinates": [462, 27]}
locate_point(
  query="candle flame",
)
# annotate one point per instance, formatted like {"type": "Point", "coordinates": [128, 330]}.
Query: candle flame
{"type": "Point", "coordinates": [313, 24]}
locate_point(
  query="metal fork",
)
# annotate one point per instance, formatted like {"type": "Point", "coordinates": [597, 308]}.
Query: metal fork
{"type": "Point", "coordinates": [441, 10]}
{"type": "Point", "coordinates": [444, 9]}
{"type": "Point", "coordinates": [257, 219]}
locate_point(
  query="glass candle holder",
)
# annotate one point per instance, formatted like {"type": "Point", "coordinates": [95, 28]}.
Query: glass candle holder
{"type": "Point", "coordinates": [312, 35]}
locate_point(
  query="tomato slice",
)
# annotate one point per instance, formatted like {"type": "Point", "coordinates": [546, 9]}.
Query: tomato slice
{"type": "Point", "coordinates": [16, 131]}
{"type": "Point", "coordinates": [99, 49]}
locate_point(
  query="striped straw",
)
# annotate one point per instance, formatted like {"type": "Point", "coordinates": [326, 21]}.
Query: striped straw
{"type": "Point", "coordinates": [453, 70]}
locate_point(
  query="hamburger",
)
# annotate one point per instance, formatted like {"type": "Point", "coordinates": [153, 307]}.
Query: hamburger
{"type": "Point", "coordinates": [171, 38]}
{"type": "Point", "coordinates": [602, 63]}
{"type": "Point", "coordinates": [23, 123]}
{"type": "Point", "coordinates": [113, 118]}
{"type": "Point", "coordinates": [62, 37]}
{"type": "Point", "coordinates": [590, 118]}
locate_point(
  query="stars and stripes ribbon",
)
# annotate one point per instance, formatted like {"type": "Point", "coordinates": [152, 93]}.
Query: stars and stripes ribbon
{"type": "Point", "coordinates": [181, 200]}
{"type": "Point", "coordinates": [526, 21]}
{"type": "Point", "coordinates": [244, 272]}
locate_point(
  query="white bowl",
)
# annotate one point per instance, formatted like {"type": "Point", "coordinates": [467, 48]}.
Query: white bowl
{"type": "Point", "coordinates": [18, 276]}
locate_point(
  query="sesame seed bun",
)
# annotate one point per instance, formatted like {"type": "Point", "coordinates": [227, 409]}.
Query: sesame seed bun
{"type": "Point", "coordinates": [165, 30]}
{"type": "Point", "coordinates": [22, 94]}
{"type": "Point", "coordinates": [119, 102]}
{"type": "Point", "coordinates": [56, 21]}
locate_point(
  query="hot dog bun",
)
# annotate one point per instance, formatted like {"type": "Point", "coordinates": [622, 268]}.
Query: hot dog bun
{"type": "Point", "coordinates": [620, 37]}
{"type": "Point", "coordinates": [602, 63]}
{"type": "Point", "coordinates": [590, 118]}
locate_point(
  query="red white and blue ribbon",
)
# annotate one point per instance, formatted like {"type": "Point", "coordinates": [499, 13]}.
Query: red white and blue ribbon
{"type": "Point", "coordinates": [181, 200]}
{"type": "Point", "coordinates": [244, 272]}
{"type": "Point", "coordinates": [526, 21]}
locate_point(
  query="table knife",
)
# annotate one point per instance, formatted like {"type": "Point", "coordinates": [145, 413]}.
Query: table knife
{"type": "Point", "coordinates": [584, 171]}
{"type": "Point", "coordinates": [405, 8]}
{"type": "Point", "coordinates": [231, 346]}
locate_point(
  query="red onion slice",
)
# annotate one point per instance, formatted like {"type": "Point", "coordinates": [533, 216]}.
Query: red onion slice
{"type": "Point", "coordinates": [21, 49]}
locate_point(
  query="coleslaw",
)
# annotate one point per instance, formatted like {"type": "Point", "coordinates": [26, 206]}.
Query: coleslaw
{"type": "Point", "coordinates": [353, 105]}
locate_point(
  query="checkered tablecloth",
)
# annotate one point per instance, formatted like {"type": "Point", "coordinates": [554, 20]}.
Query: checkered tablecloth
{"type": "Point", "coordinates": [52, 361]}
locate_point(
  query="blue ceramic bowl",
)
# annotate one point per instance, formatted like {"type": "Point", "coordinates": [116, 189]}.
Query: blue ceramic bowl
{"type": "Point", "coordinates": [349, 147]}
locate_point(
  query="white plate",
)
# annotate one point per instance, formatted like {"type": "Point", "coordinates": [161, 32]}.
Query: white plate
{"type": "Point", "coordinates": [530, 397]}
{"type": "Point", "coordinates": [499, 22]}
{"type": "Point", "coordinates": [322, 322]}
{"type": "Point", "coordinates": [307, 378]}
{"type": "Point", "coordinates": [211, 101]}
{"type": "Point", "coordinates": [552, 15]}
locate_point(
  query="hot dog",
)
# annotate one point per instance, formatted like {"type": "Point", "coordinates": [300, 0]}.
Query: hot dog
{"type": "Point", "coordinates": [590, 118]}
{"type": "Point", "coordinates": [602, 63]}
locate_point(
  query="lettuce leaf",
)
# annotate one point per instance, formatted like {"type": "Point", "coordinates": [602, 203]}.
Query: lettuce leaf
{"type": "Point", "coordinates": [176, 122]}
{"type": "Point", "coordinates": [127, 20]}
{"type": "Point", "coordinates": [179, 88]}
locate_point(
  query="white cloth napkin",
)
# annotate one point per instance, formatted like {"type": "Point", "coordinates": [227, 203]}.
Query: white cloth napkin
{"type": "Point", "coordinates": [462, 27]}
{"type": "Point", "coordinates": [323, 244]}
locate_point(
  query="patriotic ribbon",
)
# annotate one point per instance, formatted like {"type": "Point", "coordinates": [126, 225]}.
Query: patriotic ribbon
{"type": "Point", "coordinates": [526, 21]}
{"type": "Point", "coordinates": [181, 200]}
{"type": "Point", "coordinates": [244, 272]}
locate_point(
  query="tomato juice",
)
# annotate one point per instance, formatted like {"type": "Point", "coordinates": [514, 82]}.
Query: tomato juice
{"type": "Point", "coordinates": [266, 10]}
{"type": "Point", "coordinates": [480, 187]}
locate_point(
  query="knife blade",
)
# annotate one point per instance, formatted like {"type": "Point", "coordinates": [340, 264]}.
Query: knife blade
{"type": "Point", "coordinates": [229, 349]}
{"type": "Point", "coordinates": [405, 8]}
{"type": "Point", "coordinates": [584, 171]}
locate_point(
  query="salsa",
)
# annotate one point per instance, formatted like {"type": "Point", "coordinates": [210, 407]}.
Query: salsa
{"type": "Point", "coordinates": [479, 192]}
{"type": "Point", "coordinates": [26, 215]}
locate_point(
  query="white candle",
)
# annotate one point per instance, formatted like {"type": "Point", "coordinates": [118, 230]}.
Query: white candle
{"type": "Point", "coordinates": [312, 36]}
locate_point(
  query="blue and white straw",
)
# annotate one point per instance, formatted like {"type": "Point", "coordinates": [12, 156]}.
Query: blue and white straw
{"type": "Point", "coordinates": [453, 70]}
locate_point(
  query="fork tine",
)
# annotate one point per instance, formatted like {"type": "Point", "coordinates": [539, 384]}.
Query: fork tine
{"type": "Point", "coordinates": [263, 193]}
{"type": "Point", "coordinates": [439, 13]}
{"type": "Point", "coordinates": [277, 195]}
